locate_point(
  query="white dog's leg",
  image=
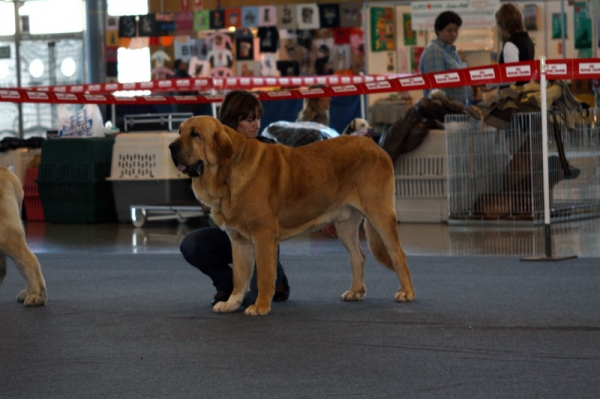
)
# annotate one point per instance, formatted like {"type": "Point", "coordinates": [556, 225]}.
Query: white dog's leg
{"type": "Point", "coordinates": [29, 266]}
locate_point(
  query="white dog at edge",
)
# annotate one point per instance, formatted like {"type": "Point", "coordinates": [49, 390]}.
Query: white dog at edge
{"type": "Point", "coordinates": [13, 244]}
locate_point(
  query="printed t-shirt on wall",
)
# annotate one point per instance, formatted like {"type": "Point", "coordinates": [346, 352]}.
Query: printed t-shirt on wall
{"type": "Point", "coordinates": [286, 17]}
{"type": "Point", "coordinates": [307, 16]}
{"type": "Point", "coordinates": [350, 15]}
{"type": "Point", "coordinates": [329, 15]}
{"type": "Point", "coordinates": [217, 19]}
{"type": "Point", "coordinates": [244, 42]}
{"type": "Point", "coordinates": [202, 20]}
{"type": "Point", "coordinates": [147, 25]}
{"type": "Point", "coordinates": [127, 26]}
{"type": "Point", "coordinates": [269, 38]}
{"type": "Point", "coordinates": [249, 17]}
{"type": "Point", "coordinates": [233, 17]}
{"type": "Point", "coordinates": [267, 16]}
{"type": "Point", "coordinates": [288, 68]}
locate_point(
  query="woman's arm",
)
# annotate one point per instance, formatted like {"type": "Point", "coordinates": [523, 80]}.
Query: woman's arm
{"type": "Point", "coordinates": [510, 52]}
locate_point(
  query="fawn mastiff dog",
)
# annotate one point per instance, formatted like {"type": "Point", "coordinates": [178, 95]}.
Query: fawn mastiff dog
{"type": "Point", "coordinates": [13, 244]}
{"type": "Point", "coordinates": [261, 194]}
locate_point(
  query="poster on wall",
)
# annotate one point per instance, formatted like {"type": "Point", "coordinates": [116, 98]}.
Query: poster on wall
{"type": "Point", "coordinates": [403, 65]}
{"type": "Point", "coordinates": [410, 36]}
{"type": "Point", "coordinates": [475, 14]}
{"type": "Point", "coordinates": [391, 62]}
{"type": "Point", "coordinates": [583, 26]}
{"type": "Point", "coordinates": [382, 29]}
{"type": "Point", "coordinates": [557, 27]}
{"type": "Point", "coordinates": [530, 13]}
{"type": "Point", "coordinates": [415, 58]}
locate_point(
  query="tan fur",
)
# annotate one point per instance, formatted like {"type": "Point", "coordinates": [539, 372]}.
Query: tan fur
{"type": "Point", "coordinates": [13, 244]}
{"type": "Point", "coordinates": [261, 194]}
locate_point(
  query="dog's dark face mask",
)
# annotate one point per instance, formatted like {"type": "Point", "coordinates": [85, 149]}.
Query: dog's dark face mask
{"type": "Point", "coordinates": [194, 170]}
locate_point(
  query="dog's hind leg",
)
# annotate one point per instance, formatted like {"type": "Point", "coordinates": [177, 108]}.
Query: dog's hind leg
{"type": "Point", "coordinates": [384, 243]}
{"type": "Point", "coordinates": [29, 266]}
{"type": "Point", "coordinates": [347, 231]}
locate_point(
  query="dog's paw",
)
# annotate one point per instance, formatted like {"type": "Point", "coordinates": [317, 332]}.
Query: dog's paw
{"type": "Point", "coordinates": [353, 295]}
{"type": "Point", "coordinates": [31, 299]}
{"type": "Point", "coordinates": [404, 296]}
{"type": "Point", "coordinates": [225, 307]}
{"type": "Point", "coordinates": [254, 310]}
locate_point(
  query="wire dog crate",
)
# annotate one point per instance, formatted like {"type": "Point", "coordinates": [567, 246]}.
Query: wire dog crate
{"type": "Point", "coordinates": [421, 182]}
{"type": "Point", "coordinates": [497, 175]}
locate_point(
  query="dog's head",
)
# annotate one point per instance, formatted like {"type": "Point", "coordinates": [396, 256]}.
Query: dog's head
{"type": "Point", "coordinates": [355, 125]}
{"type": "Point", "coordinates": [203, 142]}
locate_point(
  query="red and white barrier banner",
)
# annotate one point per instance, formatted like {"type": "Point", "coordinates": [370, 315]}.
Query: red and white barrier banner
{"type": "Point", "coordinates": [204, 84]}
{"type": "Point", "coordinates": [336, 85]}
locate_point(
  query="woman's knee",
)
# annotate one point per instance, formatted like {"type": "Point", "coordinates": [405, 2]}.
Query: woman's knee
{"type": "Point", "coordinates": [204, 246]}
{"type": "Point", "coordinates": [193, 247]}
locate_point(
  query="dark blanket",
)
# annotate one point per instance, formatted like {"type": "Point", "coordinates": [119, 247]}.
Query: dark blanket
{"type": "Point", "coordinates": [408, 132]}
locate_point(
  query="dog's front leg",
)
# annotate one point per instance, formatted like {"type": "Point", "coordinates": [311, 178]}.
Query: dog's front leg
{"type": "Point", "coordinates": [243, 266]}
{"type": "Point", "coordinates": [266, 273]}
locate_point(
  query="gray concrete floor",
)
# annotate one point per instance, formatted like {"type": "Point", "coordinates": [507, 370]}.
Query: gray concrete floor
{"type": "Point", "coordinates": [128, 318]}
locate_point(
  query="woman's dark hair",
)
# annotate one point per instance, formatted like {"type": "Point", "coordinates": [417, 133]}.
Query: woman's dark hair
{"type": "Point", "coordinates": [509, 19]}
{"type": "Point", "coordinates": [446, 18]}
{"type": "Point", "coordinates": [238, 105]}
{"type": "Point", "coordinates": [311, 107]}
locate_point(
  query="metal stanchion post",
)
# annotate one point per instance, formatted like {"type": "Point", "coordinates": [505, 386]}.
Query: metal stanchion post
{"type": "Point", "coordinates": [546, 175]}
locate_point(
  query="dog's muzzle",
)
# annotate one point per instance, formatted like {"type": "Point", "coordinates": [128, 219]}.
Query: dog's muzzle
{"type": "Point", "coordinates": [192, 170]}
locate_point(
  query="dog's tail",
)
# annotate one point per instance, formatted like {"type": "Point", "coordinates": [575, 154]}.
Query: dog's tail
{"type": "Point", "coordinates": [376, 246]}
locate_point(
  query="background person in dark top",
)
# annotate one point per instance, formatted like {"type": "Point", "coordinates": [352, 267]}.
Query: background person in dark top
{"type": "Point", "coordinates": [518, 45]}
{"type": "Point", "coordinates": [180, 69]}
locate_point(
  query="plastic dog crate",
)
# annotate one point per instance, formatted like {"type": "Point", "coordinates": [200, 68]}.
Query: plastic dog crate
{"type": "Point", "coordinates": [18, 160]}
{"type": "Point", "coordinates": [142, 173]}
{"type": "Point", "coordinates": [421, 182]}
